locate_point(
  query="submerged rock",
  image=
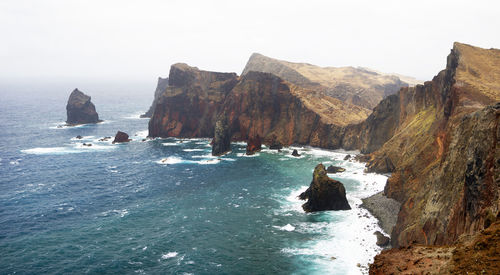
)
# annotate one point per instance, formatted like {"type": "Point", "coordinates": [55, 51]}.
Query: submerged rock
{"type": "Point", "coordinates": [222, 138]}
{"type": "Point", "coordinates": [334, 169]}
{"type": "Point", "coordinates": [121, 137]}
{"type": "Point", "coordinates": [254, 145]}
{"type": "Point", "coordinates": [295, 153]}
{"type": "Point", "coordinates": [80, 110]}
{"type": "Point", "coordinates": [324, 193]}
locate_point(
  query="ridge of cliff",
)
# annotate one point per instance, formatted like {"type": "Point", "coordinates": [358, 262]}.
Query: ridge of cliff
{"type": "Point", "coordinates": [361, 87]}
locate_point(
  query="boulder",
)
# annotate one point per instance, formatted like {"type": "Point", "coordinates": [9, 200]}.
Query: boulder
{"type": "Point", "coordinates": [324, 193]}
{"type": "Point", "coordinates": [334, 169]}
{"type": "Point", "coordinates": [121, 137]}
{"type": "Point", "coordinates": [254, 144]}
{"type": "Point", "coordinates": [80, 110]}
{"type": "Point", "coordinates": [79, 137]}
{"type": "Point", "coordinates": [347, 157]}
{"type": "Point", "coordinates": [222, 139]}
{"type": "Point", "coordinates": [295, 153]}
{"type": "Point", "coordinates": [382, 240]}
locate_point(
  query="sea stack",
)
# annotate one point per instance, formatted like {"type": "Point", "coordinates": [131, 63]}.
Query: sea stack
{"type": "Point", "coordinates": [121, 137]}
{"type": "Point", "coordinates": [222, 138]}
{"type": "Point", "coordinates": [324, 193]}
{"type": "Point", "coordinates": [254, 144]}
{"type": "Point", "coordinates": [80, 110]}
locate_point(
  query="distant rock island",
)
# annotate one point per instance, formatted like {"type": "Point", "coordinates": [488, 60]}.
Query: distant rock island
{"type": "Point", "coordinates": [80, 110]}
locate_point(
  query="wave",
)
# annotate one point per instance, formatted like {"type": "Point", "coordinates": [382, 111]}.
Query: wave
{"type": "Point", "coordinates": [169, 255]}
{"type": "Point", "coordinates": [287, 227]}
{"type": "Point", "coordinates": [74, 149]}
{"type": "Point", "coordinates": [136, 115]}
{"type": "Point", "coordinates": [193, 150]}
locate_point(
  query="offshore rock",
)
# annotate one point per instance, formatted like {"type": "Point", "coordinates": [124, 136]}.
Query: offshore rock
{"type": "Point", "coordinates": [254, 144]}
{"type": "Point", "coordinates": [160, 88]}
{"type": "Point", "coordinates": [295, 153]}
{"type": "Point", "coordinates": [334, 169]}
{"type": "Point", "coordinates": [222, 139]}
{"type": "Point", "coordinates": [121, 137]}
{"type": "Point", "coordinates": [324, 193]}
{"type": "Point", "coordinates": [80, 110]}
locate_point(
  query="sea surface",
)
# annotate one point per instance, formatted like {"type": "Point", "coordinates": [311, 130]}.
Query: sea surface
{"type": "Point", "coordinates": [162, 206]}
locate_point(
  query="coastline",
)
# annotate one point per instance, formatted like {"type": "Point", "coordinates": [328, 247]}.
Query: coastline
{"type": "Point", "coordinates": [384, 209]}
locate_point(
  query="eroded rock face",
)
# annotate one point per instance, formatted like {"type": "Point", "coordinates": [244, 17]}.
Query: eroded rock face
{"type": "Point", "coordinates": [254, 144]}
{"type": "Point", "coordinates": [121, 137]}
{"type": "Point", "coordinates": [191, 102]}
{"type": "Point", "coordinates": [80, 110]}
{"type": "Point", "coordinates": [160, 88]}
{"type": "Point", "coordinates": [324, 193]}
{"type": "Point", "coordinates": [221, 143]}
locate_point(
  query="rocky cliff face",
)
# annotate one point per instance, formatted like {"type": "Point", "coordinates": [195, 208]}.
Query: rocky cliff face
{"type": "Point", "coordinates": [357, 86]}
{"type": "Point", "coordinates": [191, 102]}
{"type": "Point", "coordinates": [440, 141]}
{"type": "Point", "coordinates": [160, 88]}
{"type": "Point", "coordinates": [80, 110]}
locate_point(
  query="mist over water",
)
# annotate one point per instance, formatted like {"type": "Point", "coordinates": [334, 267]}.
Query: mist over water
{"type": "Point", "coordinates": [162, 206]}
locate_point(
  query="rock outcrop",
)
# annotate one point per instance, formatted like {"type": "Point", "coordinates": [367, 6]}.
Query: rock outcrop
{"type": "Point", "coordinates": [254, 144]}
{"type": "Point", "coordinates": [295, 153]}
{"type": "Point", "coordinates": [221, 143]}
{"type": "Point", "coordinates": [121, 137]}
{"type": "Point", "coordinates": [80, 110]}
{"type": "Point", "coordinates": [334, 169]}
{"type": "Point", "coordinates": [160, 88]}
{"type": "Point", "coordinates": [382, 240]}
{"type": "Point", "coordinates": [324, 193]}
{"type": "Point", "coordinates": [191, 102]}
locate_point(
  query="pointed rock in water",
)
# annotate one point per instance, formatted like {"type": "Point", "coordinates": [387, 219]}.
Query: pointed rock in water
{"type": "Point", "coordinates": [254, 144]}
{"type": "Point", "coordinates": [80, 110]}
{"type": "Point", "coordinates": [121, 137]}
{"type": "Point", "coordinates": [222, 138]}
{"type": "Point", "coordinates": [295, 153]}
{"type": "Point", "coordinates": [324, 193]}
{"type": "Point", "coordinates": [347, 157]}
{"type": "Point", "coordinates": [334, 169]}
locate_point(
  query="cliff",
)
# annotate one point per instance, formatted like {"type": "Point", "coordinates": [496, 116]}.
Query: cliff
{"type": "Point", "coordinates": [80, 110]}
{"type": "Point", "coordinates": [443, 152]}
{"type": "Point", "coordinates": [357, 86]}
{"type": "Point", "coordinates": [190, 103]}
{"type": "Point", "coordinates": [160, 88]}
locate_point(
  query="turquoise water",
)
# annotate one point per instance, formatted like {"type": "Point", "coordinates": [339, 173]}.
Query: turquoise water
{"type": "Point", "coordinates": [163, 206]}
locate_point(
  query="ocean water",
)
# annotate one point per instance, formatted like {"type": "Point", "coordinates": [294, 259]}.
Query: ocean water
{"type": "Point", "coordinates": [163, 206]}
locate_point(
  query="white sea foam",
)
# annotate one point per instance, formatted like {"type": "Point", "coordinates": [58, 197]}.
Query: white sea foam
{"type": "Point", "coordinates": [83, 138]}
{"type": "Point", "coordinates": [287, 227]}
{"type": "Point", "coordinates": [136, 115]}
{"type": "Point", "coordinates": [247, 156]}
{"type": "Point", "coordinates": [169, 255]}
{"type": "Point", "coordinates": [171, 143]}
{"type": "Point", "coordinates": [141, 135]}
{"type": "Point", "coordinates": [170, 160]}
{"type": "Point", "coordinates": [193, 150]}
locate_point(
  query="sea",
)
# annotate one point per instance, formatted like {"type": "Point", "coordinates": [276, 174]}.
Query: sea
{"type": "Point", "coordinates": [162, 206]}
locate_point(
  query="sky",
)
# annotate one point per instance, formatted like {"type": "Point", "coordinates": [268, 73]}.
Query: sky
{"type": "Point", "coordinates": [122, 40]}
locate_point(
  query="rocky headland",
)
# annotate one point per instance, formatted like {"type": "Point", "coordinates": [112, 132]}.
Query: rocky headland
{"type": "Point", "coordinates": [80, 110]}
{"type": "Point", "coordinates": [160, 88]}
{"type": "Point", "coordinates": [439, 139]}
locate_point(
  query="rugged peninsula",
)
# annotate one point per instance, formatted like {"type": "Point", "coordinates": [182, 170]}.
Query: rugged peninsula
{"type": "Point", "coordinates": [80, 110]}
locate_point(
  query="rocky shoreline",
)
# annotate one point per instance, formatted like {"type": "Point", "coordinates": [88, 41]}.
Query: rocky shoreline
{"type": "Point", "coordinates": [384, 209]}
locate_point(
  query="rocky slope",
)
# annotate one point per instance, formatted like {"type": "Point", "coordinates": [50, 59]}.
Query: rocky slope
{"type": "Point", "coordinates": [80, 110]}
{"type": "Point", "coordinates": [357, 86]}
{"type": "Point", "coordinates": [160, 88]}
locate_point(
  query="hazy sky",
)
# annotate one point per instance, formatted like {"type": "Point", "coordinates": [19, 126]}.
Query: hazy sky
{"type": "Point", "coordinates": [139, 40]}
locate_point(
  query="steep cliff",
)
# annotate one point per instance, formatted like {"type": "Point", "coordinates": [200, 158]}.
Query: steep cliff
{"type": "Point", "coordinates": [190, 103]}
{"type": "Point", "coordinates": [357, 86]}
{"type": "Point", "coordinates": [440, 141]}
{"type": "Point", "coordinates": [80, 110]}
{"type": "Point", "coordinates": [160, 88]}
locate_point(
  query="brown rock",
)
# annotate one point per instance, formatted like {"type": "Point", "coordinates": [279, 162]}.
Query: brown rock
{"type": "Point", "coordinates": [254, 144]}
{"type": "Point", "coordinates": [121, 137]}
{"type": "Point", "coordinates": [382, 240]}
{"type": "Point", "coordinates": [334, 169]}
{"type": "Point", "coordinates": [80, 110]}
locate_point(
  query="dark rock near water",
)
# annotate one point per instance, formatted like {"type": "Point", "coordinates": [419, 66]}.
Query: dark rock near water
{"type": "Point", "coordinates": [80, 110]}
{"type": "Point", "coordinates": [160, 88]}
{"type": "Point", "coordinates": [295, 153]}
{"type": "Point", "coordinates": [254, 145]}
{"type": "Point", "coordinates": [105, 139]}
{"type": "Point", "coordinates": [222, 138]}
{"type": "Point", "coordinates": [382, 240]}
{"type": "Point", "coordinates": [87, 144]}
{"type": "Point", "coordinates": [275, 144]}
{"type": "Point", "coordinates": [334, 169]}
{"type": "Point", "coordinates": [324, 193]}
{"type": "Point", "coordinates": [121, 137]}
{"type": "Point", "coordinates": [79, 137]}
{"type": "Point", "coordinates": [347, 157]}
